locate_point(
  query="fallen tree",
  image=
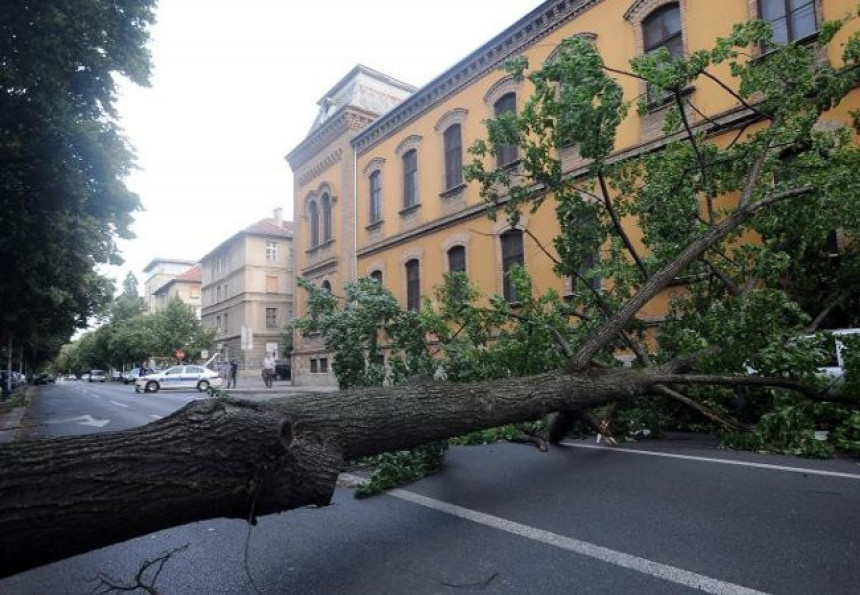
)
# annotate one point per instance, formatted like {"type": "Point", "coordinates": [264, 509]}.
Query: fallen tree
{"type": "Point", "coordinates": [238, 459]}
{"type": "Point", "coordinates": [229, 458]}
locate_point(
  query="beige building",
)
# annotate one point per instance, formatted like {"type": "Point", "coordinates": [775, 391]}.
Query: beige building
{"type": "Point", "coordinates": [185, 286]}
{"type": "Point", "coordinates": [247, 291]}
{"type": "Point", "coordinates": [324, 189]}
{"type": "Point", "coordinates": [158, 272]}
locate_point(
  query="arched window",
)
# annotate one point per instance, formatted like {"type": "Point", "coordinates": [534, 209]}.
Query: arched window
{"type": "Point", "coordinates": [512, 254]}
{"type": "Point", "coordinates": [410, 178]}
{"type": "Point", "coordinates": [375, 197]}
{"type": "Point", "coordinates": [326, 286]}
{"type": "Point", "coordinates": [326, 217]}
{"type": "Point", "coordinates": [453, 140]}
{"type": "Point", "coordinates": [457, 259]}
{"type": "Point", "coordinates": [506, 154]}
{"type": "Point", "coordinates": [376, 276]}
{"type": "Point", "coordinates": [314, 222]}
{"type": "Point", "coordinates": [791, 19]}
{"type": "Point", "coordinates": [413, 285]}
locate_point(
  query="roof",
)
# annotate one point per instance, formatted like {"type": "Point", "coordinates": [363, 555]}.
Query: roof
{"type": "Point", "coordinates": [192, 275]}
{"type": "Point", "coordinates": [264, 227]}
{"type": "Point", "coordinates": [158, 260]}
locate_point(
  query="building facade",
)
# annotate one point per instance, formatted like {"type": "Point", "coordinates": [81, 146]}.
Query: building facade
{"type": "Point", "coordinates": [247, 291]}
{"type": "Point", "coordinates": [186, 286]}
{"type": "Point", "coordinates": [413, 215]}
{"type": "Point", "coordinates": [324, 189]}
{"type": "Point", "coordinates": [157, 273]}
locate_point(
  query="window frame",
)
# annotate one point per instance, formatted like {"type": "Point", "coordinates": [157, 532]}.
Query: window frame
{"type": "Point", "coordinates": [271, 251]}
{"type": "Point", "coordinates": [272, 318]}
{"type": "Point", "coordinates": [509, 259]}
{"type": "Point", "coordinates": [460, 250]}
{"type": "Point", "coordinates": [452, 142]}
{"type": "Point", "coordinates": [789, 36]}
{"type": "Point", "coordinates": [507, 154]}
{"type": "Point", "coordinates": [412, 273]}
{"type": "Point", "coordinates": [314, 223]}
{"type": "Point", "coordinates": [375, 185]}
{"type": "Point", "coordinates": [326, 220]}
{"type": "Point", "coordinates": [410, 178]}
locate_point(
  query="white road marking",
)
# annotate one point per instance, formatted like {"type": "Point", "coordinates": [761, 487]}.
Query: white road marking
{"type": "Point", "coordinates": [84, 420]}
{"type": "Point", "coordinates": [719, 461]}
{"type": "Point", "coordinates": [156, 416]}
{"type": "Point", "coordinates": [120, 404]}
{"type": "Point", "coordinates": [662, 571]}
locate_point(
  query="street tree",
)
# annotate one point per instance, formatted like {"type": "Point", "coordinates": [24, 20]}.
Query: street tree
{"type": "Point", "coordinates": [63, 159]}
{"type": "Point", "coordinates": [704, 211]}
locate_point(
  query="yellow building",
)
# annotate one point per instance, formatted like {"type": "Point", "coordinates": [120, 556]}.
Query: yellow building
{"type": "Point", "coordinates": [395, 186]}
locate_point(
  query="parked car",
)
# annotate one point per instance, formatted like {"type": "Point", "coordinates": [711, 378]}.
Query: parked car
{"type": "Point", "coordinates": [178, 377]}
{"type": "Point", "coordinates": [831, 347]}
{"type": "Point", "coordinates": [135, 373]}
{"type": "Point", "coordinates": [97, 376]}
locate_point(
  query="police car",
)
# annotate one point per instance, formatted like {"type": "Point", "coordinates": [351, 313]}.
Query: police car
{"type": "Point", "coordinates": [178, 377]}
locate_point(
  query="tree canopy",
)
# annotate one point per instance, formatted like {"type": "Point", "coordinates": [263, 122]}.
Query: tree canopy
{"type": "Point", "coordinates": [63, 159]}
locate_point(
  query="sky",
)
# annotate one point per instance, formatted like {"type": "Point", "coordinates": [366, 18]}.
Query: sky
{"type": "Point", "coordinates": [234, 88]}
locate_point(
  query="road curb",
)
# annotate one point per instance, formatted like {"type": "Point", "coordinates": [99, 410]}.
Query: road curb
{"type": "Point", "coordinates": [10, 424]}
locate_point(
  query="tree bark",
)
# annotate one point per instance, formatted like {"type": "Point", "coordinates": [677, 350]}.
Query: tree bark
{"type": "Point", "coordinates": [227, 458]}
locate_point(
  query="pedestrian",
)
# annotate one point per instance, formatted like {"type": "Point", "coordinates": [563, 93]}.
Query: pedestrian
{"type": "Point", "coordinates": [234, 368]}
{"type": "Point", "coordinates": [268, 370]}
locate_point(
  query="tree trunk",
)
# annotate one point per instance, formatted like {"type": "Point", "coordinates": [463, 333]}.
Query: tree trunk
{"type": "Point", "coordinates": [238, 459]}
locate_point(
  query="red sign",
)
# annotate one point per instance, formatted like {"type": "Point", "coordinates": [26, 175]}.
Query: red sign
{"type": "Point", "coordinates": [180, 354]}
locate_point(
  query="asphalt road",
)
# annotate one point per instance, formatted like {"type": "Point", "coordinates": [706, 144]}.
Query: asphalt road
{"type": "Point", "coordinates": [658, 517]}
{"type": "Point", "coordinates": [75, 408]}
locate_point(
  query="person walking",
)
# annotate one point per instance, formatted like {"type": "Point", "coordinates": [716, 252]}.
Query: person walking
{"type": "Point", "coordinates": [268, 370]}
{"type": "Point", "coordinates": [234, 368]}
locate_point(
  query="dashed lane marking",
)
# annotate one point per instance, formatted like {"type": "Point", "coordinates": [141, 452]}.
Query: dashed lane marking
{"type": "Point", "coordinates": [120, 404]}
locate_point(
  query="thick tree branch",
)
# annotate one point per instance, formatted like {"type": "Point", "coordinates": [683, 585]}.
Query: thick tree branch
{"type": "Point", "coordinates": [659, 280]}
{"type": "Point", "coordinates": [619, 229]}
{"type": "Point", "coordinates": [703, 169]}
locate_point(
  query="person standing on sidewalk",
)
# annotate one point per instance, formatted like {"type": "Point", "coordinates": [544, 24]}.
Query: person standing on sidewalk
{"type": "Point", "coordinates": [234, 368]}
{"type": "Point", "coordinates": [268, 370]}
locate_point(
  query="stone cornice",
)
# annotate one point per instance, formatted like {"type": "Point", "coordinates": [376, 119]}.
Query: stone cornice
{"type": "Point", "coordinates": [540, 22]}
{"type": "Point", "coordinates": [347, 119]}
{"type": "Point", "coordinates": [305, 176]}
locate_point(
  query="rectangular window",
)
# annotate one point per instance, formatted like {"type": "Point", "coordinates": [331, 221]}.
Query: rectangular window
{"type": "Point", "coordinates": [323, 365]}
{"type": "Point", "coordinates": [217, 294]}
{"type": "Point", "coordinates": [410, 179]}
{"type": "Point", "coordinates": [375, 197]}
{"type": "Point", "coordinates": [226, 324]}
{"type": "Point", "coordinates": [271, 251]}
{"type": "Point", "coordinates": [791, 19]}
{"type": "Point", "coordinates": [662, 29]}
{"type": "Point", "coordinates": [457, 259]}
{"type": "Point", "coordinates": [218, 323]}
{"type": "Point", "coordinates": [271, 284]}
{"type": "Point", "coordinates": [314, 367]}
{"type": "Point", "coordinates": [271, 318]}
{"type": "Point", "coordinates": [506, 154]}
{"type": "Point", "coordinates": [512, 254]}
{"type": "Point", "coordinates": [413, 285]}
{"type": "Point", "coordinates": [453, 156]}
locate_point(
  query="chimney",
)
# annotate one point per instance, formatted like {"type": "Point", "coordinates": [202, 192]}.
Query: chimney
{"type": "Point", "coordinates": [278, 216]}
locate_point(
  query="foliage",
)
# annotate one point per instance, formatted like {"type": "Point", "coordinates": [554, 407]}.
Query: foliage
{"type": "Point", "coordinates": [63, 160]}
{"type": "Point", "coordinates": [786, 180]}
{"type": "Point", "coordinates": [124, 342]}
{"type": "Point", "coordinates": [392, 469]}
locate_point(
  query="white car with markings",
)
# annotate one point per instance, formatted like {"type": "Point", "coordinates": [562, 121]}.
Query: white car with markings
{"type": "Point", "coordinates": [178, 377]}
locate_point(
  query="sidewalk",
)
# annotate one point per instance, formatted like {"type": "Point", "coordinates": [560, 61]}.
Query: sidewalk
{"type": "Point", "coordinates": [255, 386]}
{"type": "Point", "coordinates": [10, 422]}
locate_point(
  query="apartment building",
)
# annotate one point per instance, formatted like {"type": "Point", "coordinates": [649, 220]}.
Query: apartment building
{"type": "Point", "coordinates": [392, 186]}
{"type": "Point", "coordinates": [158, 272]}
{"type": "Point", "coordinates": [247, 291]}
{"type": "Point", "coordinates": [186, 286]}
